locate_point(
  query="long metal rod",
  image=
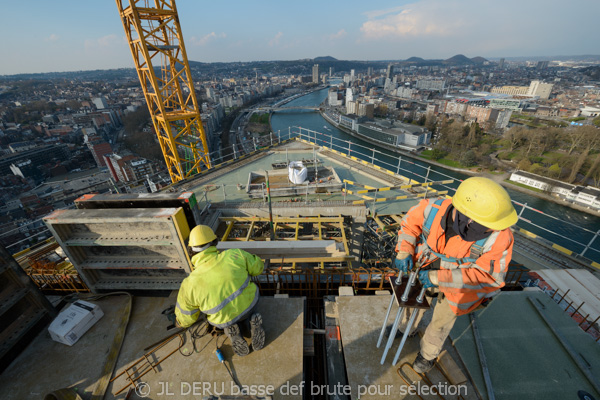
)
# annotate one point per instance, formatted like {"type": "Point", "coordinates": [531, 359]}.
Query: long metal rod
{"type": "Point", "coordinates": [482, 359]}
{"type": "Point", "coordinates": [390, 340]}
{"type": "Point", "coordinates": [411, 321]}
{"type": "Point", "coordinates": [583, 367]}
{"type": "Point", "coordinates": [387, 315]}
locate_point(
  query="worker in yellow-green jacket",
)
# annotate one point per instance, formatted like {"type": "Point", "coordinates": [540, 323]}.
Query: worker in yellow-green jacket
{"type": "Point", "coordinates": [220, 287]}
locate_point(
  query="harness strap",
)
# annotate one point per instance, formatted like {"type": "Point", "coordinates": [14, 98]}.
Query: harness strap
{"type": "Point", "coordinates": [476, 248]}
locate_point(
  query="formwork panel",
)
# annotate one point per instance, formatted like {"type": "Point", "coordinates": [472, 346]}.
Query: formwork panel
{"type": "Point", "coordinates": [137, 248]}
{"type": "Point", "coordinates": [185, 200]}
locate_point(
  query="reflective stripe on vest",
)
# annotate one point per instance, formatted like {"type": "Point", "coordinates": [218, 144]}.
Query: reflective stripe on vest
{"type": "Point", "coordinates": [186, 312]}
{"type": "Point", "coordinates": [228, 299]}
{"type": "Point", "coordinates": [476, 248]}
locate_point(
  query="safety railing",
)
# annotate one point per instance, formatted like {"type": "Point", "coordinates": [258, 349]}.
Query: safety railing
{"type": "Point", "coordinates": [581, 244]}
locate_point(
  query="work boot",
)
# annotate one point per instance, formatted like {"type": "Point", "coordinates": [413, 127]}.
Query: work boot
{"type": "Point", "coordinates": [421, 365]}
{"type": "Point", "coordinates": [240, 346]}
{"type": "Point", "coordinates": [258, 333]}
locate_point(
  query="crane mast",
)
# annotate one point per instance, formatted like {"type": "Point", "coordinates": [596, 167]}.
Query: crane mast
{"type": "Point", "coordinates": [156, 43]}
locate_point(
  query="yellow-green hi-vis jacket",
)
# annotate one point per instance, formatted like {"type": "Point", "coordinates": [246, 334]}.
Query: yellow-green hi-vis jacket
{"type": "Point", "coordinates": [219, 287]}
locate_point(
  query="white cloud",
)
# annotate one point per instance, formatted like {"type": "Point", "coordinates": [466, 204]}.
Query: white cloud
{"type": "Point", "coordinates": [204, 40]}
{"type": "Point", "coordinates": [52, 38]}
{"type": "Point", "coordinates": [378, 13]}
{"type": "Point", "coordinates": [104, 42]}
{"type": "Point", "coordinates": [338, 35]}
{"type": "Point", "coordinates": [425, 18]}
{"type": "Point", "coordinates": [275, 40]}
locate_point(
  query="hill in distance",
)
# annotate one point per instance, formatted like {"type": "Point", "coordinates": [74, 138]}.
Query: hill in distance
{"type": "Point", "coordinates": [325, 58]}
{"type": "Point", "coordinates": [458, 59]}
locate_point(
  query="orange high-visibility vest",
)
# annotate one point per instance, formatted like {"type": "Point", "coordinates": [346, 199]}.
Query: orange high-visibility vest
{"type": "Point", "coordinates": [465, 284]}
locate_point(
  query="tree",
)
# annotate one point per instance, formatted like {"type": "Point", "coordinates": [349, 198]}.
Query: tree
{"type": "Point", "coordinates": [437, 154]}
{"type": "Point", "coordinates": [136, 120]}
{"type": "Point", "coordinates": [473, 135]}
{"type": "Point", "coordinates": [431, 122]}
{"type": "Point", "coordinates": [381, 110]}
{"type": "Point", "coordinates": [453, 135]}
{"type": "Point", "coordinates": [554, 171]}
{"type": "Point", "coordinates": [576, 136]}
{"type": "Point", "coordinates": [591, 139]}
{"type": "Point", "coordinates": [536, 168]}
{"type": "Point", "coordinates": [515, 136]}
{"type": "Point", "coordinates": [469, 158]}
{"type": "Point", "coordinates": [593, 168]}
{"type": "Point", "coordinates": [524, 164]}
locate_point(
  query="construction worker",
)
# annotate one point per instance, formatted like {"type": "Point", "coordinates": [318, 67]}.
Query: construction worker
{"type": "Point", "coordinates": [464, 246]}
{"type": "Point", "coordinates": [220, 287]}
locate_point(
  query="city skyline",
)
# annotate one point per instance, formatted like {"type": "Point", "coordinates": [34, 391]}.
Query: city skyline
{"type": "Point", "coordinates": [71, 36]}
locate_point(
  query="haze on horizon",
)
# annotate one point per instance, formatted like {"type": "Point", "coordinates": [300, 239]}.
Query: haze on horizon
{"type": "Point", "coordinates": [68, 35]}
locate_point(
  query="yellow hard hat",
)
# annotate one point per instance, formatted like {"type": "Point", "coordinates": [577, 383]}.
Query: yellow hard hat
{"type": "Point", "coordinates": [485, 202]}
{"type": "Point", "coordinates": [201, 235]}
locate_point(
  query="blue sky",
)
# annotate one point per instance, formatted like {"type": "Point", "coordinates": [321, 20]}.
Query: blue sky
{"type": "Point", "coordinates": [71, 35]}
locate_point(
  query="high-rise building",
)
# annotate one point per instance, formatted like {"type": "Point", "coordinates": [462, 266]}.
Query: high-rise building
{"type": "Point", "coordinates": [349, 95]}
{"type": "Point", "coordinates": [369, 71]}
{"type": "Point", "coordinates": [352, 75]}
{"type": "Point", "coordinates": [352, 107]}
{"type": "Point", "coordinates": [501, 63]}
{"type": "Point", "coordinates": [315, 73]}
{"type": "Point", "coordinates": [366, 110]}
{"type": "Point", "coordinates": [510, 90]}
{"type": "Point", "coordinates": [390, 71]}
{"type": "Point", "coordinates": [330, 72]}
{"type": "Point", "coordinates": [541, 65]}
{"type": "Point", "coordinates": [333, 98]}
{"type": "Point", "coordinates": [431, 84]}
{"type": "Point", "coordinates": [541, 89]}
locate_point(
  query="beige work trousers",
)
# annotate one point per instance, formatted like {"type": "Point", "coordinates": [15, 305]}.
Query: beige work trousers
{"type": "Point", "coordinates": [438, 329]}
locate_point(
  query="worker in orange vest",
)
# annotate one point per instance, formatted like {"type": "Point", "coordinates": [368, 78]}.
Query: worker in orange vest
{"type": "Point", "coordinates": [464, 246]}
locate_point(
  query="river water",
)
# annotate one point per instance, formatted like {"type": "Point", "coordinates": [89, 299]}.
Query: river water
{"type": "Point", "coordinates": [569, 228]}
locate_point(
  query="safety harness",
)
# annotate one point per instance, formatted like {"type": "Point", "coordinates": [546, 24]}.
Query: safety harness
{"type": "Point", "coordinates": [476, 248]}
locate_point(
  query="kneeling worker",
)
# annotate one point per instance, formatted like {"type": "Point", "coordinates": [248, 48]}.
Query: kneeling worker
{"type": "Point", "coordinates": [467, 245]}
{"type": "Point", "coordinates": [220, 287]}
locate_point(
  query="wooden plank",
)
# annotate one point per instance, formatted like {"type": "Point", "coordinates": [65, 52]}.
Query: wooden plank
{"type": "Point", "coordinates": [314, 249]}
{"type": "Point", "coordinates": [578, 292]}
{"type": "Point", "coordinates": [587, 279]}
{"type": "Point", "coordinates": [451, 368]}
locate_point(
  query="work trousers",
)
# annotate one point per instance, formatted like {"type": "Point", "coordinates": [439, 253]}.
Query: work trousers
{"type": "Point", "coordinates": [438, 329]}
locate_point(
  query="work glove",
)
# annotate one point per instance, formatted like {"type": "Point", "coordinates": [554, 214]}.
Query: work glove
{"type": "Point", "coordinates": [169, 312]}
{"type": "Point", "coordinates": [425, 280]}
{"type": "Point", "coordinates": [172, 318]}
{"type": "Point", "coordinates": [403, 262]}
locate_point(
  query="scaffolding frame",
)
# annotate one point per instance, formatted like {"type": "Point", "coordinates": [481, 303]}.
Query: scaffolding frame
{"type": "Point", "coordinates": [290, 229]}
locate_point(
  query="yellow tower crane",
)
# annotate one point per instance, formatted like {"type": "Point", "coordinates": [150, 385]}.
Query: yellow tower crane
{"type": "Point", "coordinates": [155, 39]}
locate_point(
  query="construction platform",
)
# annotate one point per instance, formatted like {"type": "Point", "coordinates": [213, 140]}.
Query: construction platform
{"type": "Point", "coordinates": [322, 179]}
{"type": "Point", "coordinates": [360, 319]}
{"type": "Point", "coordinates": [45, 365]}
{"type": "Point", "coordinates": [531, 349]}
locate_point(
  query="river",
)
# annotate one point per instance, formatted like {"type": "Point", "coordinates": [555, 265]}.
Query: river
{"type": "Point", "coordinates": [564, 234]}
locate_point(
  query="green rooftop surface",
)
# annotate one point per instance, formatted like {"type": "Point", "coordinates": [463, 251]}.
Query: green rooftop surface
{"type": "Point", "coordinates": [524, 357]}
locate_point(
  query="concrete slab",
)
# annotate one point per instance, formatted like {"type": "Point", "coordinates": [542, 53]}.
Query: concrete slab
{"type": "Point", "coordinates": [360, 319]}
{"type": "Point", "coordinates": [525, 359]}
{"type": "Point", "coordinates": [46, 365]}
